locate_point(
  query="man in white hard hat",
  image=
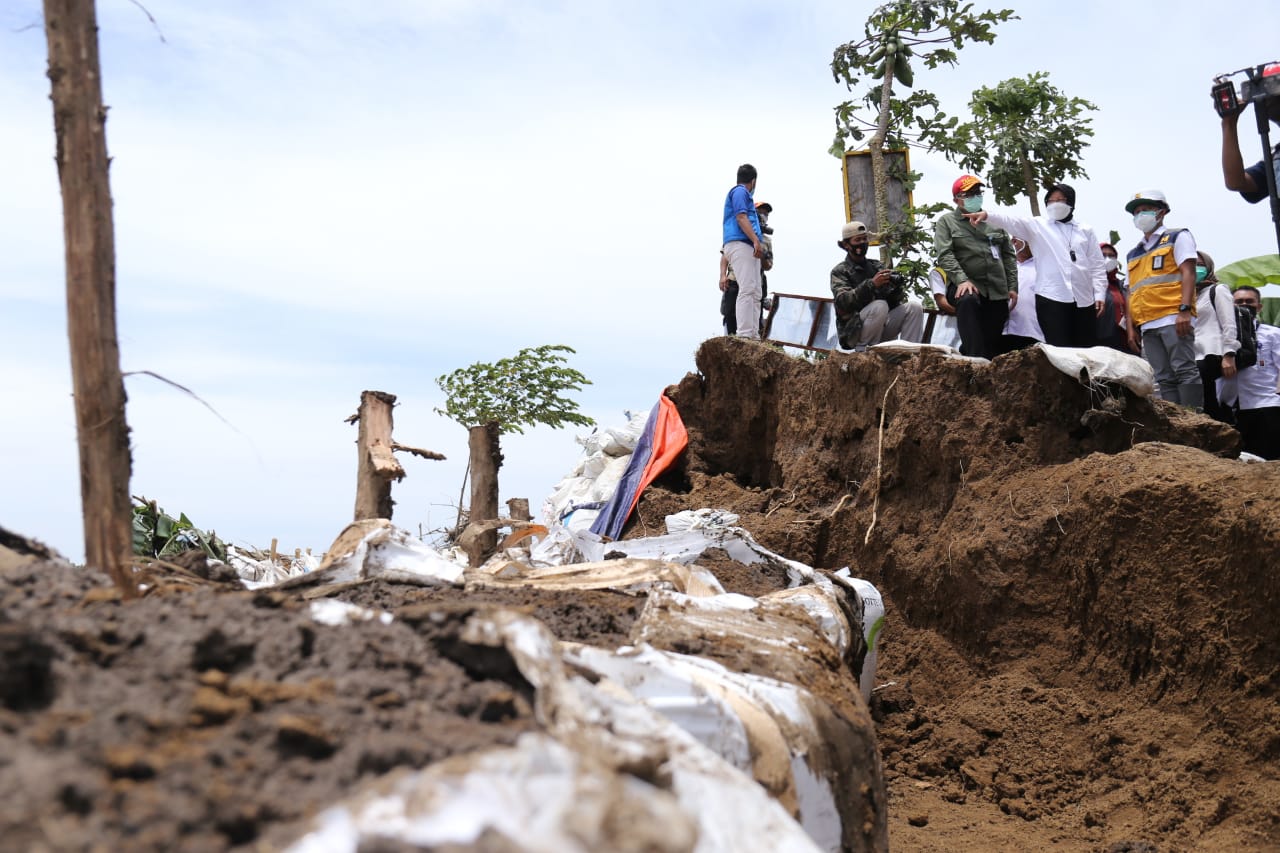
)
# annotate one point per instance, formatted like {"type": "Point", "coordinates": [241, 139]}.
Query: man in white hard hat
{"type": "Point", "coordinates": [1162, 299]}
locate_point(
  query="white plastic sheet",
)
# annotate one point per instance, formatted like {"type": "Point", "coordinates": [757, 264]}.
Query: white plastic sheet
{"type": "Point", "coordinates": [606, 454]}
{"type": "Point", "coordinates": [577, 786]}
{"type": "Point", "coordinates": [375, 549]}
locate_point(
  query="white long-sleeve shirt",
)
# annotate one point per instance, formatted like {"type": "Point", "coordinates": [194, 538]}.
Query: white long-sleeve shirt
{"type": "Point", "coordinates": [1257, 387]}
{"type": "Point", "coordinates": [1082, 281]}
{"type": "Point", "coordinates": [1215, 322]}
{"type": "Point", "coordinates": [1022, 318]}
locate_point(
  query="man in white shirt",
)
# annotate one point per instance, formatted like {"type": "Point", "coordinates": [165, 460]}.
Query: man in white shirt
{"type": "Point", "coordinates": [1071, 279]}
{"type": "Point", "coordinates": [1256, 389]}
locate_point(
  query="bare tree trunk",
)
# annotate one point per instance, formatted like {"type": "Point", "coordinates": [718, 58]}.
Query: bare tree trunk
{"type": "Point", "coordinates": [79, 120]}
{"type": "Point", "coordinates": [1029, 181]}
{"type": "Point", "coordinates": [378, 466]}
{"type": "Point", "coordinates": [879, 174]}
{"type": "Point", "coordinates": [486, 459]}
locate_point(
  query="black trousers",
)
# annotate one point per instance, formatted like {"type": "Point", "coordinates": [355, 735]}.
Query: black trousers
{"type": "Point", "coordinates": [1066, 324]}
{"type": "Point", "coordinates": [981, 323]}
{"type": "Point", "coordinates": [1260, 429]}
{"type": "Point", "coordinates": [1210, 369]}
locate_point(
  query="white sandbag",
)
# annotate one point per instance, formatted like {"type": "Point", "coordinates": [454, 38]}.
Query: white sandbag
{"type": "Point", "coordinates": [629, 575]}
{"type": "Point", "coordinates": [374, 548]}
{"type": "Point", "coordinates": [871, 607]}
{"type": "Point", "coordinates": [330, 611]}
{"type": "Point", "coordinates": [1099, 364]}
{"type": "Point", "coordinates": [582, 782]}
{"type": "Point", "coordinates": [538, 796]}
{"type": "Point", "coordinates": [690, 519]}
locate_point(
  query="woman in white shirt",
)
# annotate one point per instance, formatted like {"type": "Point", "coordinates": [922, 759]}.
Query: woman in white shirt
{"type": "Point", "coordinates": [1071, 278]}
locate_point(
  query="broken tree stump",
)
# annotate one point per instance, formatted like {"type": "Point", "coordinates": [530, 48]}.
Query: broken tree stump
{"type": "Point", "coordinates": [378, 466]}
{"type": "Point", "coordinates": [486, 459]}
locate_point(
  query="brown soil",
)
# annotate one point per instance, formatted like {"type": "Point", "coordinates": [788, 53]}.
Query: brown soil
{"type": "Point", "coordinates": [1080, 653]}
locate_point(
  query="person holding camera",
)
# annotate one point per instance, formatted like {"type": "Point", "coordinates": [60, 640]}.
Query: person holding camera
{"type": "Point", "coordinates": [1251, 183]}
{"type": "Point", "coordinates": [871, 302]}
{"type": "Point", "coordinates": [980, 264]}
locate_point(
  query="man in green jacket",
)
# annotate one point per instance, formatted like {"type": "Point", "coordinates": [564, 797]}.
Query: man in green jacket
{"type": "Point", "coordinates": [981, 268]}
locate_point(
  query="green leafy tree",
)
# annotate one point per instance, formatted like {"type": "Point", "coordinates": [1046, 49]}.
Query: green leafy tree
{"type": "Point", "coordinates": [1033, 135]}
{"type": "Point", "coordinates": [506, 396]}
{"type": "Point", "coordinates": [898, 37]}
{"type": "Point", "coordinates": [516, 392]}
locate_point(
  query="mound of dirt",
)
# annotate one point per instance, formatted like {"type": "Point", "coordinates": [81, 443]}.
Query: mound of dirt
{"type": "Point", "coordinates": [1081, 649]}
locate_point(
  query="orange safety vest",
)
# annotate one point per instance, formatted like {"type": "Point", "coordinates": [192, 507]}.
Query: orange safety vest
{"type": "Point", "coordinates": [1155, 282]}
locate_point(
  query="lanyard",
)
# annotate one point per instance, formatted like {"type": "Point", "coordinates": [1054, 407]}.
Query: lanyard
{"type": "Point", "coordinates": [1071, 253]}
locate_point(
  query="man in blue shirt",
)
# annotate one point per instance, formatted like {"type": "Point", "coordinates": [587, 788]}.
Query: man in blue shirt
{"type": "Point", "coordinates": [743, 248]}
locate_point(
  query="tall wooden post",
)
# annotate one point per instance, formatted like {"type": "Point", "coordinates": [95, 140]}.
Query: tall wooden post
{"type": "Point", "coordinates": [79, 120]}
{"type": "Point", "coordinates": [486, 459]}
{"type": "Point", "coordinates": [378, 466]}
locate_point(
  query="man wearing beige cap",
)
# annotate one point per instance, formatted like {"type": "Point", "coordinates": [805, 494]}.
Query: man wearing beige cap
{"type": "Point", "coordinates": [871, 303]}
{"type": "Point", "coordinates": [1162, 299]}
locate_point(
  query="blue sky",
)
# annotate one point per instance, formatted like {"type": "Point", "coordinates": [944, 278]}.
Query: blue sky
{"type": "Point", "coordinates": [313, 199]}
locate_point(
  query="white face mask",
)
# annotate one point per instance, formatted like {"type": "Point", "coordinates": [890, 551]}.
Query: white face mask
{"type": "Point", "coordinates": [1058, 210]}
{"type": "Point", "coordinates": [1112, 264]}
{"type": "Point", "coordinates": [1145, 221]}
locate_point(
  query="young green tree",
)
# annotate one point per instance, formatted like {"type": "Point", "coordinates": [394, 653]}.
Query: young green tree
{"type": "Point", "coordinates": [1033, 134]}
{"type": "Point", "coordinates": [507, 396]}
{"type": "Point", "coordinates": [516, 392]}
{"type": "Point", "coordinates": [897, 36]}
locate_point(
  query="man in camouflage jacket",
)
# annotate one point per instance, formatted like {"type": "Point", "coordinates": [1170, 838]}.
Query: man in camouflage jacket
{"type": "Point", "coordinates": [870, 306]}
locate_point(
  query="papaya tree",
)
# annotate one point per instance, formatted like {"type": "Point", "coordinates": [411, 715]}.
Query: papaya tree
{"type": "Point", "coordinates": [1033, 134]}
{"type": "Point", "coordinates": [506, 396]}
{"type": "Point", "coordinates": [899, 38]}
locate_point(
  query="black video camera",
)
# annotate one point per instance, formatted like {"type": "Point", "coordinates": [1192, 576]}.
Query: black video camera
{"type": "Point", "coordinates": [896, 278]}
{"type": "Point", "coordinates": [1261, 83]}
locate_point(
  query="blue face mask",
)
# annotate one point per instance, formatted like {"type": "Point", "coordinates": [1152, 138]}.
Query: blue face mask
{"type": "Point", "coordinates": [973, 203]}
{"type": "Point", "coordinates": [1201, 274]}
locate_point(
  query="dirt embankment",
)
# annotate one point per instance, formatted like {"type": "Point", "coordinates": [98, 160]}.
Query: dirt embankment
{"type": "Point", "coordinates": [1081, 652]}
{"type": "Point", "coordinates": [1082, 587]}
